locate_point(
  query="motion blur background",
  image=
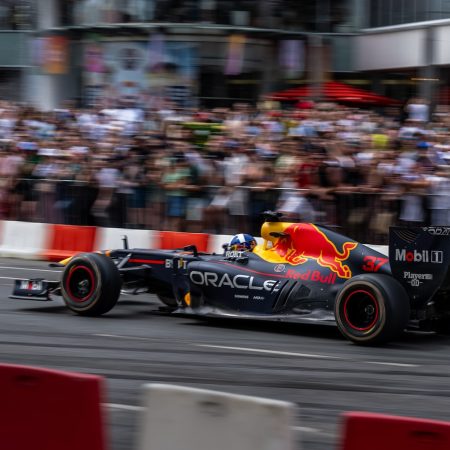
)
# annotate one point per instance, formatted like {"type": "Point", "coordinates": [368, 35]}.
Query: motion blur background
{"type": "Point", "coordinates": [199, 115]}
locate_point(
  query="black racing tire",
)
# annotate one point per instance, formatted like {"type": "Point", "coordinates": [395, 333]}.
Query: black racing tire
{"type": "Point", "coordinates": [90, 284]}
{"type": "Point", "coordinates": [371, 309]}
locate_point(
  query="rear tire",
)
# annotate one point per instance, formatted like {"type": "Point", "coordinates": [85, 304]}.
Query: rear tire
{"type": "Point", "coordinates": [371, 309]}
{"type": "Point", "coordinates": [90, 284]}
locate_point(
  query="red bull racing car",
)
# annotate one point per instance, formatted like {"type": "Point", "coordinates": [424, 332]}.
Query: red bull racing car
{"type": "Point", "coordinates": [302, 272]}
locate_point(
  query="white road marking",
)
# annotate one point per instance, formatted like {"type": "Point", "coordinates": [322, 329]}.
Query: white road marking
{"type": "Point", "coordinates": [306, 429]}
{"type": "Point", "coordinates": [122, 337]}
{"type": "Point", "coordinates": [391, 364]}
{"type": "Point", "coordinates": [28, 269]}
{"type": "Point", "coordinates": [124, 407]}
{"type": "Point", "coordinates": [271, 352]}
{"type": "Point", "coordinates": [305, 355]}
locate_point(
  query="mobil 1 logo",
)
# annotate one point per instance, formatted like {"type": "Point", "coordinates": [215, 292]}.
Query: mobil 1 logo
{"type": "Point", "coordinates": [419, 256]}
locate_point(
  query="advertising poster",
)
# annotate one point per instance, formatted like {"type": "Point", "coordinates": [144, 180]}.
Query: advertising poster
{"type": "Point", "coordinates": [138, 74]}
{"type": "Point", "coordinates": [172, 70]}
{"type": "Point", "coordinates": [292, 57]}
{"type": "Point", "coordinates": [93, 72]}
{"type": "Point", "coordinates": [55, 55]}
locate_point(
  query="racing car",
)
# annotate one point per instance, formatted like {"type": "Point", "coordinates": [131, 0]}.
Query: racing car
{"type": "Point", "coordinates": [301, 272]}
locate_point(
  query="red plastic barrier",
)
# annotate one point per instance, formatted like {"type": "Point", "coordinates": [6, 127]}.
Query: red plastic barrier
{"type": "Point", "coordinates": [67, 240]}
{"type": "Point", "coordinates": [370, 431]}
{"type": "Point", "coordinates": [176, 239]}
{"type": "Point", "coordinates": [44, 409]}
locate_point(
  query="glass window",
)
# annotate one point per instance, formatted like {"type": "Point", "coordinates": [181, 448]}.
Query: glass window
{"type": "Point", "coordinates": [397, 11]}
{"type": "Point", "coordinates": [375, 10]}
{"type": "Point", "coordinates": [435, 10]}
{"type": "Point", "coordinates": [386, 13]}
{"type": "Point", "coordinates": [394, 12]}
{"type": "Point", "coordinates": [16, 15]}
{"type": "Point", "coordinates": [422, 10]}
{"type": "Point", "coordinates": [445, 8]}
{"type": "Point", "coordinates": [410, 11]}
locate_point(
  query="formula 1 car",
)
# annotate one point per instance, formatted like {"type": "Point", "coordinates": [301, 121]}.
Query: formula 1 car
{"type": "Point", "coordinates": [302, 273]}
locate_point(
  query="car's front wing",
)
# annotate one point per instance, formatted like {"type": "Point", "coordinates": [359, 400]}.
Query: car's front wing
{"type": "Point", "coordinates": [34, 289]}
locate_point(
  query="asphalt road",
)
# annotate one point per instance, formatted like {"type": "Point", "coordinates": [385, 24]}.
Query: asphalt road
{"type": "Point", "coordinates": [311, 366]}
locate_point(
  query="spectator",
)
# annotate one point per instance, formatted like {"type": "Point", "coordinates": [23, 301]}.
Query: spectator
{"type": "Point", "coordinates": [331, 164]}
{"type": "Point", "coordinates": [175, 182]}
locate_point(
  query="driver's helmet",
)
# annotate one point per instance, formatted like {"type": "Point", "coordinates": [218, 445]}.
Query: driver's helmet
{"type": "Point", "coordinates": [242, 242]}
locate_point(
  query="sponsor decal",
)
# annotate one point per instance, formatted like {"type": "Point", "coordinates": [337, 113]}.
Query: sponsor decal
{"type": "Point", "coordinates": [279, 268]}
{"type": "Point", "coordinates": [416, 279]}
{"type": "Point", "coordinates": [438, 231]}
{"type": "Point", "coordinates": [181, 263]}
{"type": "Point", "coordinates": [373, 263]}
{"type": "Point", "coordinates": [301, 242]}
{"type": "Point", "coordinates": [258, 297]}
{"type": "Point", "coordinates": [424, 256]}
{"type": "Point", "coordinates": [312, 275]}
{"type": "Point", "coordinates": [245, 297]}
{"type": "Point", "coordinates": [239, 281]}
{"type": "Point", "coordinates": [29, 285]}
{"type": "Point", "coordinates": [233, 254]}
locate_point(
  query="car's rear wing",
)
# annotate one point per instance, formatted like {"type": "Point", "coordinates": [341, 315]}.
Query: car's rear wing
{"type": "Point", "coordinates": [419, 259]}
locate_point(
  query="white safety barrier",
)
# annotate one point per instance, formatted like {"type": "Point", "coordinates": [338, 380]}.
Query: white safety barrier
{"type": "Point", "coordinates": [180, 418]}
{"type": "Point", "coordinates": [26, 240]}
{"type": "Point", "coordinates": [30, 240]}
{"type": "Point", "coordinates": [111, 238]}
{"type": "Point", "coordinates": [217, 241]}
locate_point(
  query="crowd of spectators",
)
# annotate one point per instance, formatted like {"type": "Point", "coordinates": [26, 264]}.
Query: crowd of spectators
{"type": "Point", "coordinates": [217, 170]}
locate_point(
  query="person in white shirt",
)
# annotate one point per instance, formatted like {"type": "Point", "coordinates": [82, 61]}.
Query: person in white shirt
{"type": "Point", "coordinates": [418, 110]}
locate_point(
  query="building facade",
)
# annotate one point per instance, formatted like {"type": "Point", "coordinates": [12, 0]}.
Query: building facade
{"type": "Point", "coordinates": [215, 52]}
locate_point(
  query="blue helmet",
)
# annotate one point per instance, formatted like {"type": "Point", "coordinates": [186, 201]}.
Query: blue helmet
{"type": "Point", "coordinates": [242, 242]}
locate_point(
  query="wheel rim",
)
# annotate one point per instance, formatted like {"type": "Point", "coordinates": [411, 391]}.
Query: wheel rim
{"type": "Point", "coordinates": [361, 310]}
{"type": "Point", "coordinates": [80, 283]}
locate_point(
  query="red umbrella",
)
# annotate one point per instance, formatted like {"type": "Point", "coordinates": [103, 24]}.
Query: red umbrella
{"type": "Point", "coordinates": [337, 92]}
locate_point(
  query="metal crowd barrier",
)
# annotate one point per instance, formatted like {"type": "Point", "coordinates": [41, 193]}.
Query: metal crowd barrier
{"type": "Point", "coordinates": [214, 209]}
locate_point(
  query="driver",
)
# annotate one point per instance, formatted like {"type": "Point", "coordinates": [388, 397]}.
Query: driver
{"type": "Point", "coordinates": [242, 243]}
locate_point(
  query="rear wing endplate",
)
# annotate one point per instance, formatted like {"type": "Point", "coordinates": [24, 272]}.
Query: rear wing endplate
{"type": "Point", "coordinates": [419, 259]}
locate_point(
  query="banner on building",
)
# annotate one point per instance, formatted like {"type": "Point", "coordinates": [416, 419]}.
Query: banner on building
{"type": "Point", "coordinates": [55, 55]}
{"type": "Point", "coordinates": [292, 57]}
{"type": "Point", "coordinates": [37, 49]}
{"type": "Point", "coordinates": [235, 55]}
{"type": "Point", "coordinates": [93, 58]}
{"type": "Point", "coordinates": [156, 51]}
{"type": "Point", "coordinates": [136, 73]}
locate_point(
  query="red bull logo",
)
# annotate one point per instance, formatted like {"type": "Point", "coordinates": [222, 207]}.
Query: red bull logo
{"type": "Point", "coordinates": [313, 275]}
{"type": "Point", "coordinates": [297, 243]}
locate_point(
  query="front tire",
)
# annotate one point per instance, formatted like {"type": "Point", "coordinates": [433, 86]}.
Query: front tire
{"type": "Point", "coordinates": [371, 309]}
{"type": "Point", "coordinates": [90, 284]}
